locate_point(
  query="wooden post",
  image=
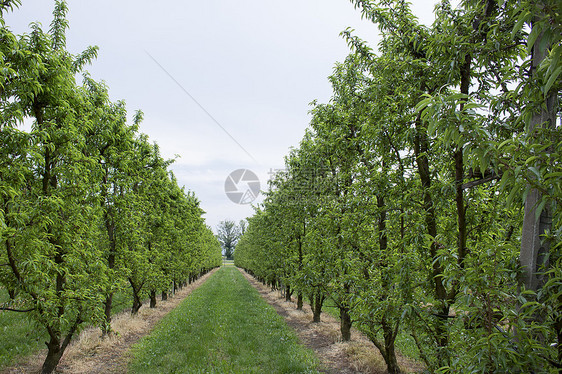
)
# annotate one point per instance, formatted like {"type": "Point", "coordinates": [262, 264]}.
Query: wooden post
{"type": "Point", "coordinates": [533, 246]}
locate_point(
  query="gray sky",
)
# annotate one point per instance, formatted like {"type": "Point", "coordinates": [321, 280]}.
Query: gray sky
{"type": "Point", "coordinates": [253, 65]}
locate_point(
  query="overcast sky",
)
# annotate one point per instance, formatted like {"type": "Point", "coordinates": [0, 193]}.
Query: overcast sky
{"type": "Point", "coordinates": [249, 66]}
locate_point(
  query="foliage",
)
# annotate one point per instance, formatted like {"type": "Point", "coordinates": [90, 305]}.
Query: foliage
{"type": "Point", "coordinates": [403, 203]}
{"type": "Point", "coordinates": [86, 202]}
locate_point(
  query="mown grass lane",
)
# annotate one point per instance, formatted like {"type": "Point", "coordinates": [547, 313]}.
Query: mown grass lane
{"type": "Point", "coordinates": [224, 326]}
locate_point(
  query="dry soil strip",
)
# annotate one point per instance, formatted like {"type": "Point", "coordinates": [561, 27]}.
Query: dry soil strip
{"type": "Point", "coordinates": [357, 356]}
{"type": "Point", "coordinates": [89, 354]}
{"type": "Point", "coordinates": [318, 336]}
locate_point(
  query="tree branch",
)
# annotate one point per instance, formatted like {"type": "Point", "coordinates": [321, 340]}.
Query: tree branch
{"type": "Point", "coordinates": [71, 332]}
{"type": "Point", "coordinates": [480, 181]}
{"type": "Point", "coordinates": [16, 310]}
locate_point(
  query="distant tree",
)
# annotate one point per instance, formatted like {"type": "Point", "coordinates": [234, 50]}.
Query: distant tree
{"type": "Point", "coordinates": [228, 233]}
{"type": "Point", "coordinates": [242, 225]}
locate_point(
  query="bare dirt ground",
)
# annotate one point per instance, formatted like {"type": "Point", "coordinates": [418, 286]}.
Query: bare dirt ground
{"type": "Point", "coordinates": [90, 354]}
{"type": "Point", "coordinates": [357, 356]}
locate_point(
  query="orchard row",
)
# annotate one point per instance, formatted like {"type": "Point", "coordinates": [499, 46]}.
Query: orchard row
{"type": "Point", "coordinates": [87, 204]}
{"type": "Point", "coordinates": [425, 198]}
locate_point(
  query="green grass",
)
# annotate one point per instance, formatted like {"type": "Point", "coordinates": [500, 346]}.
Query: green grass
{"type": "Point", "coordinates": [19, 335]}
{"type": "Point", "coordinates": [224, 326]}
{"type": "Point", "coordinates": [122, 300]}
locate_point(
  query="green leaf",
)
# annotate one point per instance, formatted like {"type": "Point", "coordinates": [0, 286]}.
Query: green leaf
{"type": "Point", "coordinates": [532, 38]}
{"type": "Point", "coordinates": [472, 106]}
{"type": "Point", "coordinates": [505, 142]}
{"type": "Point", "coordinates": [535, 171]}
{"type": "Point", "coordinates": [519, 25]}
{"type": "Point", "coordinates": [551, 80]}
{"type": "Point", "coordinates": [484, 161]}
{"type": "Point", "coordinates": [553, 175]}
{"type": "Point", "coordinates": [458, 96]}
{"type": "Point", "coordinates": [531, 159]}
{"type": "Point", "coordinates": [539, 209]}
{"type": "Point", "coordinates": [424, 103]}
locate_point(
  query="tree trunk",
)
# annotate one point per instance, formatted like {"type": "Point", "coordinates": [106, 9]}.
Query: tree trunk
{"type": "Point", "coordinates": [54, 347]}
{"type": "Point", "coordinates": [389, 334]}
{"type": "Point", "coordinates": [106, 327]}
{"type": "Point", "coordinates": [54, 354]}
{"type": "Point", "coordinates": [317, 309]}
{"type": "Point", "coordinates": [392, 366]}
{"type": "Point", "coordinates": [137, 303]}
{"type": "Point", "coordinates": [391, 362]}
{"type": "Point", "coordinates": [299, 301]}
{"type": "Point", "coordinates": [301, 256]}
{"type": "Point", "coordinates": [388, 351]}
{"type": "Point", "coordinates": [345, 324]}
{"type": "Point", "coordinates": [288, 293]}
{"type": "Point", "coordinates": [153, 299]}
{"type": "Point", "coordinates": [386, 348]}
{"type": "Point", "coordinates": [164, 296]}
{"type": "Point", "coordinates": [421, 148]}
{"type": "Point", "coordinates": [459, 174]}
{"type": "Point", "coordinates": [110, 228]}
{"type": "Point", "coordinates": [461, 210]}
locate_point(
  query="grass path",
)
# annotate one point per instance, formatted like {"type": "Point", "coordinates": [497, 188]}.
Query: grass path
{"type": "Point", "coordinates": [224, 326]}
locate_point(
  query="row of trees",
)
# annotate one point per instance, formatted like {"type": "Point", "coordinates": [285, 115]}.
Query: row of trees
{"type": "Point", "coordinates": [88, 206]}
{"type": "Point", "coordinates": [425, 198]}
